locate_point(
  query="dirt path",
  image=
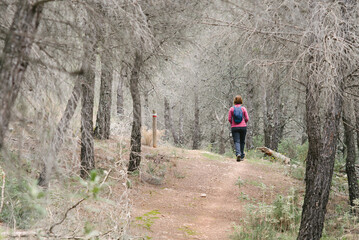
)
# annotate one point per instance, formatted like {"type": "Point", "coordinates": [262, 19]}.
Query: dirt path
{"type": "Point", "coordinates": [199, 198]}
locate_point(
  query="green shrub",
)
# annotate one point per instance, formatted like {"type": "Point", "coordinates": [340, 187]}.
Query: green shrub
{"type": "Point", "coordinates": [258, 141]}
{"type": "Point", "coordinates": [254, 154]}
{"type": "Point", "coordinates": [297, 172]}
{"type": "Point", "coordinates": [277, 221]}
{"type": "Point", "coordinates": [296, 152]}
{"type": "Point", "coordinates": [229, 154]}
{"type": "Point", "coordinates": [22, 206]}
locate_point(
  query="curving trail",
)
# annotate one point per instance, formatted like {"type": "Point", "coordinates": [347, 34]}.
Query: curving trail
{"type": "Point", "coordinates": [186, 214]}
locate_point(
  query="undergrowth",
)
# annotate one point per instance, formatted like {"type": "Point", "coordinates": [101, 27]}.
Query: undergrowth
{"type": "Point", "coordinates": [281, 218]}
{"type": "Point", "coordinates": [278, 220]}
{"type": "Point", "coordinates": [23, 203]}
{"type": "Point", "coordinates": [297, 154]}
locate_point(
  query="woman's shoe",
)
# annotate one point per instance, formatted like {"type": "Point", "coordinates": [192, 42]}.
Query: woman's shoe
{"type": "Point", "coordinates": [239, 158]}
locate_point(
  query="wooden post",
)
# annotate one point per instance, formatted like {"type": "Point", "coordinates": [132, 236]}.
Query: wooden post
{"type": "Point", "coordinates": [154, 129]}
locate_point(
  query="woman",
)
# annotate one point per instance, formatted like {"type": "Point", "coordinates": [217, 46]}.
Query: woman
{"type": "Point", "coordinates": [238, 118]}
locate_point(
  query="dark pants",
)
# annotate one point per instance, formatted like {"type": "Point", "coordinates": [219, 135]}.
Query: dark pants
{"type": "Point", "coordinates": [239, 138]}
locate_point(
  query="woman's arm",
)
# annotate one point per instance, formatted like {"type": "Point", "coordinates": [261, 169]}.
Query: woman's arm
{"type": "Point", "coordinates": [246, 117]}
{"type": "Point", "coordinates": [230, 116]}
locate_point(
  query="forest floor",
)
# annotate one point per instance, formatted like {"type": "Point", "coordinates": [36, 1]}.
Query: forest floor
{"type": "Point", "coordinates": [200, 197]}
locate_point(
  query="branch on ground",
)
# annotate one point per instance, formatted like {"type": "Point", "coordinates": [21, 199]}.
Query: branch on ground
{"type": "Point", "coordinates": [275, 155]}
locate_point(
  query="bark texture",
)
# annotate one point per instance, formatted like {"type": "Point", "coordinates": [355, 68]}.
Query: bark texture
{"type": "Point", "coordinates": [181, 127]}
{"type": "Point", "coordinates": [322, 134]}
{"type": "Point", "coordinates": [60, 133]}
{"type": "Point", "coordinates": [356, 105]}
{"type": "Point", "coordinates": [196, 134]}
{"type": "Point", "coordinates": [146, 112]}
{"type": "Point", "coordinates": [87, 143]}
{"type": "Point", "coordinates": [103, 120]}
{"type": "Point", "coordinates": [320, 159]}
{"type": "Point", "coordinates": [168, 122]}
{"type": "Point", "coordinates": [135, 155]}
{"type": "Point", "coordinates": [15, 57]}
{"type": "Point", "coordinates": [274, 121]}
{"type": "Point", "coordinates": [221, 121]}
{"type": "Point", "coordinates": [249, 103]}
{"type": "Point", "coordinates": [120, 99]}
{"type": "Point", "coordinates": [349, 141]}
{"type": "Point", "coordinates": [222, 141]}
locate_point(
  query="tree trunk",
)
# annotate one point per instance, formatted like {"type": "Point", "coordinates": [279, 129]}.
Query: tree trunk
{"type": "Point", "coordinates": [167, 119]}
{"type": "Point", "coordinates": [249, 103]}
{"type": "Point", "coordinates": [196, 135]}
{"type": "Point", "coordinates": [135, 155]}
{"type": "Point", "coordinates": [357, 122]}
{"type": "Point", "coordinates": [212, 140]}
{"type": "Point", "coordinates": [146, 113]}
{"type": "Point", "coordinates": [349, 141]}
{"type": "Point", "coordinates": [268, 118]}
{"type": "Point", "coordinates": [120, 99]}
{"type": "Point", "coordinates": [181, 127]}
{"type": "Point", "coordinates": [304, 137]}
{"type": "Point", "coordinates": [58, 138]}
{"type": "Point", "coordinates": [168, 122]}
{"type": "Point", "coordinates": [274, 120]}
{"type": "Point", "coordinates": [15, 57]}
{"type": "Point", "coordinates": [103, 121]}
{"type": "Point", "coordinates": [322, 144]}
{"type": "Point", "coordinates": [356, 106]}
{"type": "Point", "coordinates": [279, 125]}
{"type": "Point", "coordinates": [320, 159]}
{"type": "Point", "coordinates": [87, 143]}
{"type": "Point", "coordinates": [222, 140]}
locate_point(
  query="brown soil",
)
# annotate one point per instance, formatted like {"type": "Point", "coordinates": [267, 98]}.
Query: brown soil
{"type": "Point", "coordinates": [199, 198]}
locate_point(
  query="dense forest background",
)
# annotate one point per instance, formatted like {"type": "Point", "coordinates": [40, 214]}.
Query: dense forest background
{"type": "Point", "coordinates": [75, 73]}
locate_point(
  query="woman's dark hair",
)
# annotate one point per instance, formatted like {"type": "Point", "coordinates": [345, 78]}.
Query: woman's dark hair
{"type": "Point", "coordinates": [238, 100]}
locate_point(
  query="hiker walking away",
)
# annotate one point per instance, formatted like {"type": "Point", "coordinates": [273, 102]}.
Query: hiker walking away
{"type": "Point", "coordinates": [238, 118]}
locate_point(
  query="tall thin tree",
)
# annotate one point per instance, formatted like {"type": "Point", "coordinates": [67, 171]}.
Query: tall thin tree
{"type": "Point", "coordinates": [196, 131]}
{"type": "Point", "coordinates": [15, 56]}
{"type": "Point", "coordinates": [88, 87]}
{"type": "Point", "coordinates": [103, 120]}
{"type": "Point", "coordinates": [135, 155]}
{"type": "Point", "coordinates": [349, 141]}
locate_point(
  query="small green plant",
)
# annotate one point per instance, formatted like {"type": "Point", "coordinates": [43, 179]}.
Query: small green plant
{"type": "Point", "coordinates": [239, 182]}
{"type": "Point", "coordinates": [244, 196]}
{"type": "Point", "coordinates": [254, 154]}
{"type": "Point", "coordinates": [135, 173]}
{"type": "Point", "coordinates": [90, 231]}
{"type": "Point", "coordinates": [256, 184]}
{"type": "Point", "coordinates": [179, 175]}
{"type": "Point", "coordinates": [258, 141]}
{"type": "Point", "coordinates": [212, 156]}
{"type": "Point", "coordinates": [297, 172]}
{"type": "Point", "coordinates": [174, 153]}
{"type": "Point", "coordinates": [147, 220]}
{"type": "Point", "coordinates": [188, 231]}
{"type": "Point", "coordinates": [23, 203]}
{"type": "Point", "coordinates": [92, 184]}
{"type": "Point", "coordinates": [229, 154]}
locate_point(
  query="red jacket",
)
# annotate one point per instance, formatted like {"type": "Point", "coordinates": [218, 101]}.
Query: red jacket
{"type": "Point", "coordinates": [245, 117]}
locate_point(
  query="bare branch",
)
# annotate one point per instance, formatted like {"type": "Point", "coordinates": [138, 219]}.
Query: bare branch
{"type": "Point", "coordinates": [65, 216]}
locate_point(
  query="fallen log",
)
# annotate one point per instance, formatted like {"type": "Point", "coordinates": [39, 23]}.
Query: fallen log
{"type": "Point", "coordinates": [275, 154]}
{"type": "Point", "coordinates": [20, 234]}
